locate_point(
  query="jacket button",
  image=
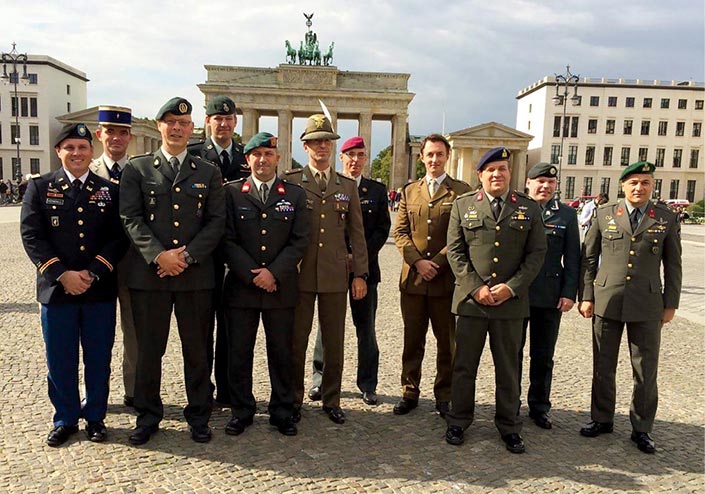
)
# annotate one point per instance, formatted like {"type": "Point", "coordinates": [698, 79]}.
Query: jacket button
{"type": "Point", "coordinates": [323, 230]}
{"type": "Point", "coordinates": [323, 215]}
{"type": "Point", "coordinates": [428, 254]}
{"type": "Point", "coordinates": [264, 232]}
{"type": "Point", "coordinates": [151, 192]}
{"type": "Point", "coordinates": [176, 206]}
{"type": "Point", "coordinates": [82, 248]}
{"type": "Point", "coordinates": [81, 235]}
{"type": "Point", "coordinates": [177, 189]}
{"type": "Point", "coordinates": [428, 238]}
{"type": "Point", "coordinates": [496, 259]}
{"type": "Point", "coordinates": [498, 228]}
{"type": "Point", "coordinates": [80, 209]}
{"type": "Point", "coordinates": [655, 240]}
{"type": "Point", "coordinates": [175, 242]}
{"type": "Point", "coordinates": [496, 244]}
{"type": "Point", "coordinates": [633, 239]}
{"type": "Point", "coordinates": [264, 247]}
{"type": "Point", "coordinates": [631, 252]}
{"type": "Point", "coordinates": [80, 222]}
{"type": "Point", "coordinates": [320, 244]}
{"type": "Point", "coordinates": [630, 265]}
{"type": "Point", "coordinates": [323, 201]}
{"type": "Point", "coordinates": [494, 275]}
{"type": "Point", "coordinates": [176, 224]}
{"type": "Point", "coordinates": [429, 221]}
{"type": "Point", "coordinates": [264, 215]}
{"type": "Point", "coordinates": [628, 278]}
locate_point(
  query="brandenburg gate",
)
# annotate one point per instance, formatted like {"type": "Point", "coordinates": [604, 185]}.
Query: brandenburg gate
{"type": "Point", "coordinates": [292, 90]}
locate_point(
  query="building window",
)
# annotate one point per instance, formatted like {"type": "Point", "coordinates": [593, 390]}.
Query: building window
{"type": "Point", "coordinates": [587, 186]}
{"type": "Point", "coordinates": [658, 183]}
{"type": "Point", "coordinates": [594, 101]}
{"type": "Point", "coordinates": [660, 156]}
{"type": "Point", "coordinates": [592, 126]}
{"type": "Point", "coordinates": [605, 185]}
{"type": "Point", "coordinates": [32, 107]}
{"type": "Point", "coordinates": [697, 128]}
{"type": "Point", "coordinates": [15, 133]}
{"type": "Point", "coordinates": [578, 100]}
{"type": "Point", "coordinates": [609, 127]}
{"type": "Point", "coordinates": [555, 152]}
{"type": "Point", "coordinates": [645, 124]}
{"type": "Point", "coordinates": [647, 102]}
{"type": "Point", "coordinates": [590, 155]}
{"type": "Point", "coordinates": [624, 158]}
{"type": "Point", "coordinates": [68, 89]}
{"type": "Point", "coordinates": [682, 104]}
{"type": "Point", "coordinates": [607, 156]}
{"type": "Point", "coordinates": [612, 101]}
{"type": "Point", "coordinates": [556, 126]}
{"type": "Point", "coordinates": [677, 158]}
{"type": "Point", "coordinates": [690, 191]}
{"type": "Point", "coordinates": [680, 128]}
{"type": "Point", "coordinates": [570, 187]}
{"type": "Point", "coordinates": [662, 128]}
{"type": "Point", "coordinates": [698, 104]}
{"type": "Point", "coordinates": [14, 105]}
{"type": "Point", "coordinates": [572, 154]}
{"type": "Point", "coordinates": [33, 165]}
{"type": "Point", "coordinates": [1, 171]}
{"type": "Point", "coordinates": [16, 169]}
{"type": "Point", "coordinates": [573, 126]}
{"type": "Point", "coordinates": [628, 127]}
{"type": "Point", "coordinates": [33, 78]}
{"type": "Point", "coordinates": [694, 156]}
{"type": "Point", "coordinates": [34, 135]}
{"type": "Point", "coordinates": [528, 125]}
{"type": "Point", "coordinates": [629, 102]}
{"type": "Point", "coordinates": [673, 193]}
{"type": "Point", "coordinates": [665, 102]}
{"type": "Point", "coordinates": [643, 154]}
{"type": "Point", "coordinates": [530, 106]}
{"type": "Point", "coordinates": [68, 107]}
{"type": "Point", "coordinates": [24, 107]}
{"type": "Point", "coordinates": [0, 134]}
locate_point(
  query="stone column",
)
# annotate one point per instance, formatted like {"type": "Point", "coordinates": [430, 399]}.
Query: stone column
{"type": "Point", "coordinates": [454, 169]}
{"type": "Point", "coordinates": [250, 123]}
{"type": "Point", "coordinates": [400, 151]}
{"type": "Point", "coordinates": [365, 131]}
{"type": "Point", "coordinates": [284, 135]}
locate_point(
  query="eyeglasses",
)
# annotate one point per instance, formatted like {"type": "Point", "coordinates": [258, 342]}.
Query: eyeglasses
{"type": "Point", "coordinates": [356, 156]}
{"type": "Point", "coordinates": [183, 123]}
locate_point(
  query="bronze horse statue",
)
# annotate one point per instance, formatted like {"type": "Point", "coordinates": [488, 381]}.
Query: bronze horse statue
{"type": "Point", "coordinates": [290, 53]}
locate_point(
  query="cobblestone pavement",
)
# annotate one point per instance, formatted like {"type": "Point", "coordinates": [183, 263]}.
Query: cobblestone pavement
{"type": "Point", "coordinates": [374, 451]}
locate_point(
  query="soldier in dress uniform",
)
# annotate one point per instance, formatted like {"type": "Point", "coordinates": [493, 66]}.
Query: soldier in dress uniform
{"type": "Point", "coordinates": [266, 235]}
{"type": "Point", "coordinates": [426, 281]}
{"type": "Point", "coordinates": [553, 291]}
{"type": "Point", "coordinates": [334, 208]}
{"type": "Point", "coordinates": [114, 132]}
{"type": "Point", "coordinates": [496, 247]}
{"type": "Point", "coordinates": [376, 221]}
{"type": "Point", "coordinates": [71, 231]}
{"type": "Point", "coordinates": [624, 249]}
{"type": "Point", "coordinates": [222, 150]}
{"type": "Point", "coordinates": [172, 206]}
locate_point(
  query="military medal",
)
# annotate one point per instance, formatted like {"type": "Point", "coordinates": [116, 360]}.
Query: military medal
{"type": "Point", "coordinates": [54, 221]}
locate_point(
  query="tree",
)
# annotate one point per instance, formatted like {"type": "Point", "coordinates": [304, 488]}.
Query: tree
{"type": "Point", "coordinates": [420, 169]}
{"type": "Point", "coordinates": [295, 164]}
{"type": "Point", "coordinates": [381, 166]}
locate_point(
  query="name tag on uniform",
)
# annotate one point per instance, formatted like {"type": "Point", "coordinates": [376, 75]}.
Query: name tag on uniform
{"type": "Point", "coordinates": [52, 200]}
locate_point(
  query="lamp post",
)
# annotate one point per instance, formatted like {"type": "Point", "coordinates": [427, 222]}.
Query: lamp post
{"type": "Point", "coordinates": [13, 77]}
{"type": "Point", "coordinates": [564, 82]}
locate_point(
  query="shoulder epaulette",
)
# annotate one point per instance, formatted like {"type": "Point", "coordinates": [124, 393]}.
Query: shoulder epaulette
{"type": "Point", "coordinates": [141, 156]}
{"type": "Point", "coordinates": [292, 184]}
{"type": "Point", "coordinates": [346, 177]}
{"type": "Point", "coordinates": [35, 175]}
{"type": "Point", "coordinates": [194, 144]}
{"type": "Point", "coordinates": [293, 170]}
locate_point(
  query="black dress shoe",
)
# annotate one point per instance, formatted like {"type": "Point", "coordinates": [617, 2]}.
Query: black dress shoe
{"type": "Point", "coordinates": [128, 401]}
{"type": "Point", "coordinates": [442, 407]}
{"type": "Point", "coordinates": [644, 442]}
{"type": "Point", "coordinates": [542, 420]}
{"type": "Point", "coordinates": [370, 398]}
{"type": "Point", "coordinates": [285, 426]}
{"type": "Point", "coordinates": [60, 434]}
{"type": "Point", "coordinates": [336, 414]}
{"type": "Point", "coordinates": [594, 429]}
{"type": "Point", "coordinates": [314, 393]}
{"type": "Point", "coordinates": [405, 406]}
{"type": "Point", "coordinates": [296, 415]}
{"type": "Point", "coordinates": [96, 432]}
{"type": "Point", "coordinates": [455, 435]}
{"type": "Point", "coordinates": [514, 443]}
{"type": "Point", "coordinates": [142, 434]}
{"type": "Point", "coordinates": [201, 433]}
{"type": "Point", "coordinates": [236, 426]}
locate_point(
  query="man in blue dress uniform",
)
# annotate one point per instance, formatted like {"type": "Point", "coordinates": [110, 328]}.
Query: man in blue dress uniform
{"type": "Point", "coordinates": [71, 231]}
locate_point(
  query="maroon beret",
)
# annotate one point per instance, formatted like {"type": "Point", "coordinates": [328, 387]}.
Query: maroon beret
{"type": "Point", "coordinates": [352, 143]}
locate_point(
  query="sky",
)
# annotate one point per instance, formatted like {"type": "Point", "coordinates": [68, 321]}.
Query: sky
{"type": "Point", "coordinates": [468, 59]}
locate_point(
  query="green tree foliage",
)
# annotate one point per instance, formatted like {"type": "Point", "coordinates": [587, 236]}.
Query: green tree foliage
{"type": "Point", "coordinates": [295, 164]}
{"type": "Point", "coordinates": [382, 165]}
{"type": "Point", "coordinates": [420, 169]}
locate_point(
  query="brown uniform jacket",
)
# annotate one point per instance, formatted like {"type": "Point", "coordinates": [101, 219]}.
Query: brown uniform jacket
{"type": "Point", "coordinates": [621, 269]}
{"type": "Point", "coordinates": [332, 214]}
{"type": "Point", "coordinates": [420, 233]}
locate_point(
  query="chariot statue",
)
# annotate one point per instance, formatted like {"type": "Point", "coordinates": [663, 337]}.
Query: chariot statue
{"type": "Point", "coordinates": [309, 52]}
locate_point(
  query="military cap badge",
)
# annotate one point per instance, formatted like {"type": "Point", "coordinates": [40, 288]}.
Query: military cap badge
{"type": "Point", "coordinates": [183, 107]}
{"type": "Point", "coordinates": [81, 129]}
{"type": "Point", "coordinates": [319, 120]}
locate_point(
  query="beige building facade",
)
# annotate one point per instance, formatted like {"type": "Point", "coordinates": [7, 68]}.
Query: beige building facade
{"type": "Point", "coordinates": [293, 91]}
{"type": "Point", "coordinates": [52, 88]}
{"type": "Point", "coordinates": [617, 122]}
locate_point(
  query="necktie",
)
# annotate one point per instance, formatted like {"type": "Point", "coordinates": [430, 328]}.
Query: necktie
{"type": "Point", "coordinates": [225, 159]}
{"type": "Point", "coordinates": [321, 181]}
{"type": "Point", "coordinates": [432, 186]}
{"type": "Point", "coordinates": [496, 207]}
{"type": "Point", "coordinates": [174, 162]}
{"type": "Point", "coordinates": [634, 218]}
{"type": "Point", "coordinates": [77, 185]}
{"type": "Point", "coordinates": [263, 192]}
{"type": "Point", "coordinates": [115, 171]}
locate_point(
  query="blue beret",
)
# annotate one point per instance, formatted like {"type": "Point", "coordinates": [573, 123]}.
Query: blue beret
{"type": "Point", "coordinates": [494, 154]}
{"type": "Point", "coordinates": [638, 167]}
{"type": "Point", "coordinates": [115, 115]}
{"type": "Point", "coordinates": [175, 106]}
{"type": "Point", "coordinates": [73, 131]}
{"type": "Point", "coordinates": [261, 140]}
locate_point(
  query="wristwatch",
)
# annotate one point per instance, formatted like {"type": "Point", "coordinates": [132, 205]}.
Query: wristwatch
{"type": "Point", "coordinates": [187, 257]}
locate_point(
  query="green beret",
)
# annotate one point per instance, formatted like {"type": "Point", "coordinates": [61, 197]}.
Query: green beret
{"type": "Point", "coordinates": [638, 167]}
{"type": "Point", "coordinates": [73, 131]}
{"type": "Point", "coordinates": [319, 127]}
{"type": "Point", "coordinates": [175, 106]}
{"type": "Point", "coordinates": [220, 105]}
{"type": "Point", "coordinates": [261, 140]}
{"type": "Point", "coordinates": [542, 170]}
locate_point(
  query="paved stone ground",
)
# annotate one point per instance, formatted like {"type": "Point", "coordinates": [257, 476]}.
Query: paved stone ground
{"type": "Point", "coordinates": [374, 451]}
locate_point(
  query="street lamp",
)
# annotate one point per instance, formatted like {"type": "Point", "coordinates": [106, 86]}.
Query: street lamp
{"type": "Point", "coordinates": [13, 77]}
{"type": "Point", "coordinates": [565, 82]}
